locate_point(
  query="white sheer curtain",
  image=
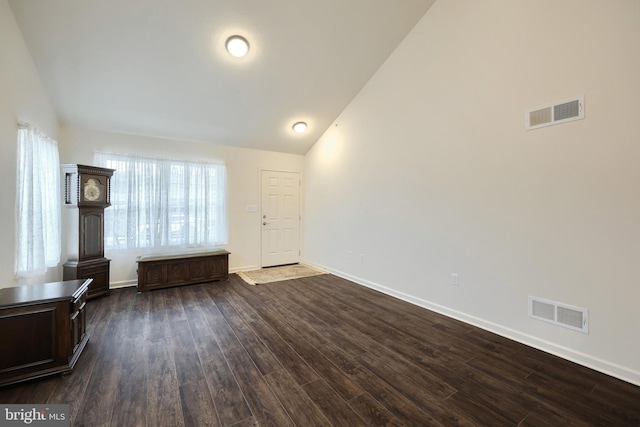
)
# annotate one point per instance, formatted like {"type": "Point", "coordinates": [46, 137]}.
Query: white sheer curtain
{"type": "Point", "coordinates": [37, 202]}
{"type": "Point", "coordinates": [159, 203]}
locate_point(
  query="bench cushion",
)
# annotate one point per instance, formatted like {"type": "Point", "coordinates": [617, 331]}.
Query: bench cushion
{"type": "Point", "coordinates": [180, 254]}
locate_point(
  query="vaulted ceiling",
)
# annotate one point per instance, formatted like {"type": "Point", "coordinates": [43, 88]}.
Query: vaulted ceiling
{"type": "Point", "coordinates": [159, 67]}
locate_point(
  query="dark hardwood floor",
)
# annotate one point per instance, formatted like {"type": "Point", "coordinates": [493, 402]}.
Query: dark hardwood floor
{"type": "Point", "coordinates": [318, 351]}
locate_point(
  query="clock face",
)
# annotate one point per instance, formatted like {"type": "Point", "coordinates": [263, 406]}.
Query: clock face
{"type": "Point", "coordinates": [92, 190]}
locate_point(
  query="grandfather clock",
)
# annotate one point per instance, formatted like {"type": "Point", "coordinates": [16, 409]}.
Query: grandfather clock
{"type": "Point", "coordinates": [87, 192]}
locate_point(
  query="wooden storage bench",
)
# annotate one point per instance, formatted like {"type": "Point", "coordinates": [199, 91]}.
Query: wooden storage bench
{"type": "Point", "coordinates": [185, 268]}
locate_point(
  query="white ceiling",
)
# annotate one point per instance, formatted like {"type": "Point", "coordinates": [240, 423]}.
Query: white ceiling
{"type": "Point", "coordinates": [159, 68]}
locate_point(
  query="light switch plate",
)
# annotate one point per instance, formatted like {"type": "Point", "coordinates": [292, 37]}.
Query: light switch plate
{"type": "Point", "coordinates": [455, 280]}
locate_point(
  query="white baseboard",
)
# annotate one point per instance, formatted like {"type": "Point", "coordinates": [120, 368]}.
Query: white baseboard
{"type": "Point", "coordinates": [612, 369]}
{"type": "Point", "coordinates": [245, 268]}
{"type": "Point", "coordinates": [123, 284]}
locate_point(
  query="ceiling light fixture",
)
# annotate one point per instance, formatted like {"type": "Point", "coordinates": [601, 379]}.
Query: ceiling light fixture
{"type": "Point", "coordinates": [237, 46]}
{"type": "Point", "coordinates": [299, 127]}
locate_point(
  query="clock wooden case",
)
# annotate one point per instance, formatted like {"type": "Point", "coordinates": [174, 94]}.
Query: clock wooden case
{"type": "Point", "coordinates": [87, 192]}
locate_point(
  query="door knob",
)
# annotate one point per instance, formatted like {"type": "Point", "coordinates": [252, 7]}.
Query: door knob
{"type": "Point", "coordinates": [265, 223]}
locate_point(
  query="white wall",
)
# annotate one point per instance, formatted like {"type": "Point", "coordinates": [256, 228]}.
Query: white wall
{"type": "Point", "coordinates": [430, 172]}
{"type": "Point", "coordinates": [243, 173]}
{"type": "Point", "coordinates": [22, 98]}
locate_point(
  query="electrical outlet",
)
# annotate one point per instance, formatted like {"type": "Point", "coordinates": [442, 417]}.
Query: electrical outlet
{"type": "Point", "coordinates": [455, 280]}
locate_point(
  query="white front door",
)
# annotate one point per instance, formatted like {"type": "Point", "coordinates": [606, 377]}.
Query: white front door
{"type": "Point", "coordinates": [280, 218]}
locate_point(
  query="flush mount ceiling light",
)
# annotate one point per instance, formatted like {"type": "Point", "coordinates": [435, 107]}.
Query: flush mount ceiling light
{"type": "Point", "coordinates": [299, 127]}
{"type": "Point", "coordinates": [237, 46]}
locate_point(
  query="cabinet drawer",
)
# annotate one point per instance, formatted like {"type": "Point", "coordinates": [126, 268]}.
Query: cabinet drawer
{"type": "Point", "coordinates": [86, 272]}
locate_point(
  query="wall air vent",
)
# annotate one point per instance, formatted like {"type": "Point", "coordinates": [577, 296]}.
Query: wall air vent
{"type": "Point", "coordinates": [568, 316]}
{"type": "Point", "coordinates": [555, 114]}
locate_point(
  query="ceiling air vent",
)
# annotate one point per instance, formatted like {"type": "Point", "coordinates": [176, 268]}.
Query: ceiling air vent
{"type": "Point", "coordinates": [575, 318]}
{"type": "Point", "coordinates": [555, 114]}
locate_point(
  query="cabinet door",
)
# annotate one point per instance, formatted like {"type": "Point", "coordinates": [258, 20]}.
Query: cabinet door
{"type": "Point", "coordinates": [199, 269]}
{"type": "Point", "coordinates": [220, 266]}
{"type": "Point", "coordinates": [150, 274]}
{"type": "Point", "coordinates": [91, 233]}
{"type": "Point", "coordinates": [34, 341]}
{"type": "Point", "coordinates": [78, 322]}
{"type": "Point", "coordinates": [177, 272]}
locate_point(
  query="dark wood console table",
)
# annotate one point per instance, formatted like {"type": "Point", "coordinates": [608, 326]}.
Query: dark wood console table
{"type": "Point", "coordinates": [43, 329]}
{"type": "Point", "coordinates": [167, 270]}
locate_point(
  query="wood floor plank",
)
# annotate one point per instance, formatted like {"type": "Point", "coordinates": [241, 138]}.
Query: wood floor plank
{"type": "Point", "coordinates": [196, 301]}
{"type": "Point", "coordinates": [388, 396]}
{"type": "Point", "coordinates": [301, 409]}
{"type": "Point", "coordinates": [185, 354]}
{"type": "Point", "coordinates": [130, 405]}
{"type": "Point", "coordinates": [70, 389]}
{"type": "Point", "coordinates": [335, 326]}
{"type": "Point", "coordinates": [100, 393]}
{"type": "Point", "coordinates": [496, 366]}
{"type": "Point", "coordinates": [585, 409]}
{"type": "Point", "coordinates": [37, 391]}
{"type": "Point", "coordinates": [334, 408]}
{"type": "Point", "coordinates": [100, 397]}
{"type": "Point", "coordinates": [344, 386]}
{"type": "Point", "coordinates": [261, 355]}
{"type": "Point", "coordinates": [395, 402]}
{"type": "Point", "coordinates": [139, 323]}
{"type": "Point", "coordinates": [159, 324]}
{"type": "Point", "coordinates": [266, 408]}
{"type": "Point", "coordinates": [163, 389]}
{"type": "Point", "coordinates": [10, 395]}
{"type": "Point", "coordinates": [502, 398]}
{"type": "Point", "coordinates": [220, 329]}
{"type": "Point", "coordinates": [404, 364]}
{"type": "Point", "coordinates": [385, 334]}
{"type": "Point", "coordinates": [478, 413]}
{"type": "Point", "coordinates": [277, 298]}
{"type": "Point", "coordinates": [508, 351]}
{"type": "Point", "coordinates": [371, 302]}
{"type": "Point", "coordinates": [197, 405]}
{"type": "Point", "coordinates": [197, 322]}
{"type": "Point", "coordinates": [453, 375]}
{"type": "Point", "coordinates": [624, 395]}
{"type": "Point", "coordinates": [438, 409]}
{"type": "Point", "coordinates": [551, 417]}
{"type": "Point", "coordinates": [373, 412]}
{"type": "Point", "coordinates": [393, 345]}
{"type": "Point", "coordinates": [248, 422]}
{"type": "Point", "coordinates": [229, 400]}
{"type": "Point", "coordinates": [173, 304]}
{"type": "Point", "coordinates": [286, 356]}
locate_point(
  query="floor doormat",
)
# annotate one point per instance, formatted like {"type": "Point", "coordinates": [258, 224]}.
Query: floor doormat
{"type": "Point", "coordinates": [278, 274]}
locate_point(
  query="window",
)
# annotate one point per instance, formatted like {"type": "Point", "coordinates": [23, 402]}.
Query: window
{"type": "Point", "coordinates": [164, 203]}
{"type": "Point", "coordinates": [37, 202]}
